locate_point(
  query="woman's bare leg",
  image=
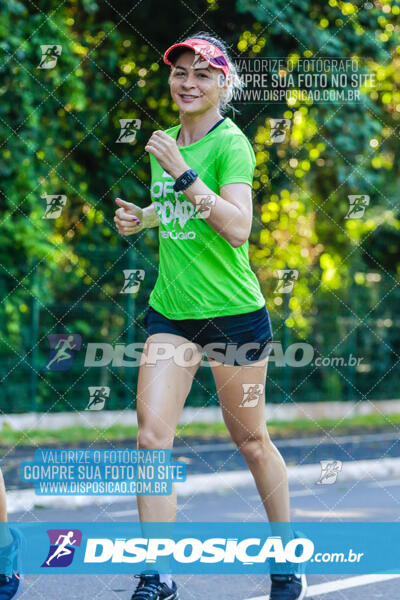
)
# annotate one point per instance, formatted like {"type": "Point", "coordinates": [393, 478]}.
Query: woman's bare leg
{"type": "Point", "coordinates": [248, 430]}
{"type": "Point", "coordinates": [161, 394]}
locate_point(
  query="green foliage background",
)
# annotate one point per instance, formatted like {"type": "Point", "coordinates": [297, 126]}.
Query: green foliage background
{"type": "Point", "coordinates": [58, 131]}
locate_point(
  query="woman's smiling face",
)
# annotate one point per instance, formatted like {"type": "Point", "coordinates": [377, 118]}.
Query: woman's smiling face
{"type": "Point", "coordinates": [195, 90]}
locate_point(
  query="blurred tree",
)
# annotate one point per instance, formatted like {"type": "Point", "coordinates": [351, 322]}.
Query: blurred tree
{"type": "Point", "coordinates": [59, 129]}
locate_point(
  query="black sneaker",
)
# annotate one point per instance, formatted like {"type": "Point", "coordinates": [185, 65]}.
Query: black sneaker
{"type": "Point", "coordinates": [10, 587]}
{"type": "Point", "coordinates": [288, 587]}
{"type": "Point", "coordinates": [291, 585]}
{"type": "Point", "coordinates": [150, 588]}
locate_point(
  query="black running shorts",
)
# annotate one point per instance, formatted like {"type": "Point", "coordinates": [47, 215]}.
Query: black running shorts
{"type": "Point", "coordinates": [233, 340]}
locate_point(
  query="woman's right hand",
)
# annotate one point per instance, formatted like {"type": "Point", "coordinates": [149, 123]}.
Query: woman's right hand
{"type": "Point", "coordinates": [128, 217]}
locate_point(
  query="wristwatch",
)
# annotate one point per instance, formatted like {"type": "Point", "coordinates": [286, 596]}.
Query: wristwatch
{"type": "Point", "coordinates": [184, 180]}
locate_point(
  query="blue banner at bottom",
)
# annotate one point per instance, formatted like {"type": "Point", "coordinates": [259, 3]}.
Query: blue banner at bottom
{"type": "Point", "coordinates": [208, 547]}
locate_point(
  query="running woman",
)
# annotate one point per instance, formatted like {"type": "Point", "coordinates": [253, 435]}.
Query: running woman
{"type": "Point", "coordinates": [206, 293]}
{"type": "Point", "coordinates": [10, 551]}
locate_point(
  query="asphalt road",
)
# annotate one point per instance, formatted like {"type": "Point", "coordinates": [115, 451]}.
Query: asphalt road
{"type": "Point", "coordinates": [217, 455]}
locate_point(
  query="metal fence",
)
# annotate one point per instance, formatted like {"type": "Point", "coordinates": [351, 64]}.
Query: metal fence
{"type": "Point", "coordinates": [364, 327]}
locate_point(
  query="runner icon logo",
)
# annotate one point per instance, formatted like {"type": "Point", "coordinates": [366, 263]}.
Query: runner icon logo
{"type": "Point", "coordinates": [330, 470]}
{"type": "Point", "coordinates": [279, 129]}
{"type": "Point", "coordinates": [204, 202]}
{"type": "Point", "coordinates": [98, 396]}
{"type": "Point", "coordinates": [286, 278]}
{"type": "Point", "coordinates": [357, 206]}
{"type": "Point", "coordinates": [199, 62]}
{"type": "Point", "coordinates": [63, 543]}
{"type": "Point", "coordinates": [50, 54]}
{"type": "Point", "coordinates": [62, 346]}
{"type": "Point", "coordinates": [129, 127]}
{"type": "Point", "coordinates": [251, 394]}
{"type": "Point", "coordinates": [133, 279]}
{"type": "Point", "coordinates": [54, 206]}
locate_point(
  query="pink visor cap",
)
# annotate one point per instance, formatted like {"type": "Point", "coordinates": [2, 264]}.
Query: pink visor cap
{"type": "Point", "coordinates": [208, 51]}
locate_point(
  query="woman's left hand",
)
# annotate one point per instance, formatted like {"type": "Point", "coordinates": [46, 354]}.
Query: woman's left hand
{"type": "Point", "coordinates": [164, 148]}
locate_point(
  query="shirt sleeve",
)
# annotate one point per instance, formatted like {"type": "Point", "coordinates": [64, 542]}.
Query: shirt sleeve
{"type": "Point", "coordinates": [236, 162]}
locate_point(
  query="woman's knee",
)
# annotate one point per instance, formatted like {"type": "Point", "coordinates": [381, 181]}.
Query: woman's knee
{"type": "Point", "coordinates": [150, 438]}
{"type": "Point", "coordinates": [255, 449]}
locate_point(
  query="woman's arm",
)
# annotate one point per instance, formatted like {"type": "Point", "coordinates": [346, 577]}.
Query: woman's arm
{"type": "Point", "coordinates": [150, 216]}
{"type": "Point", "coordinates": [130, 219]}
{"type": "Point", "coordinates": [232, 210]}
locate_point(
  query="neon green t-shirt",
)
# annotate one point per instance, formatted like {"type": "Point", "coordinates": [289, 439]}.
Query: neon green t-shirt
{"type": "Point", "coordinates": [200, 274]}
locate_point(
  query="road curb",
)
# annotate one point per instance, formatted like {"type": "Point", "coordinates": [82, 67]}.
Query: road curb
{"type": "Point", "coordinates": [306, 475]}
{"type": "Point", "coordinates": [287, 411]}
